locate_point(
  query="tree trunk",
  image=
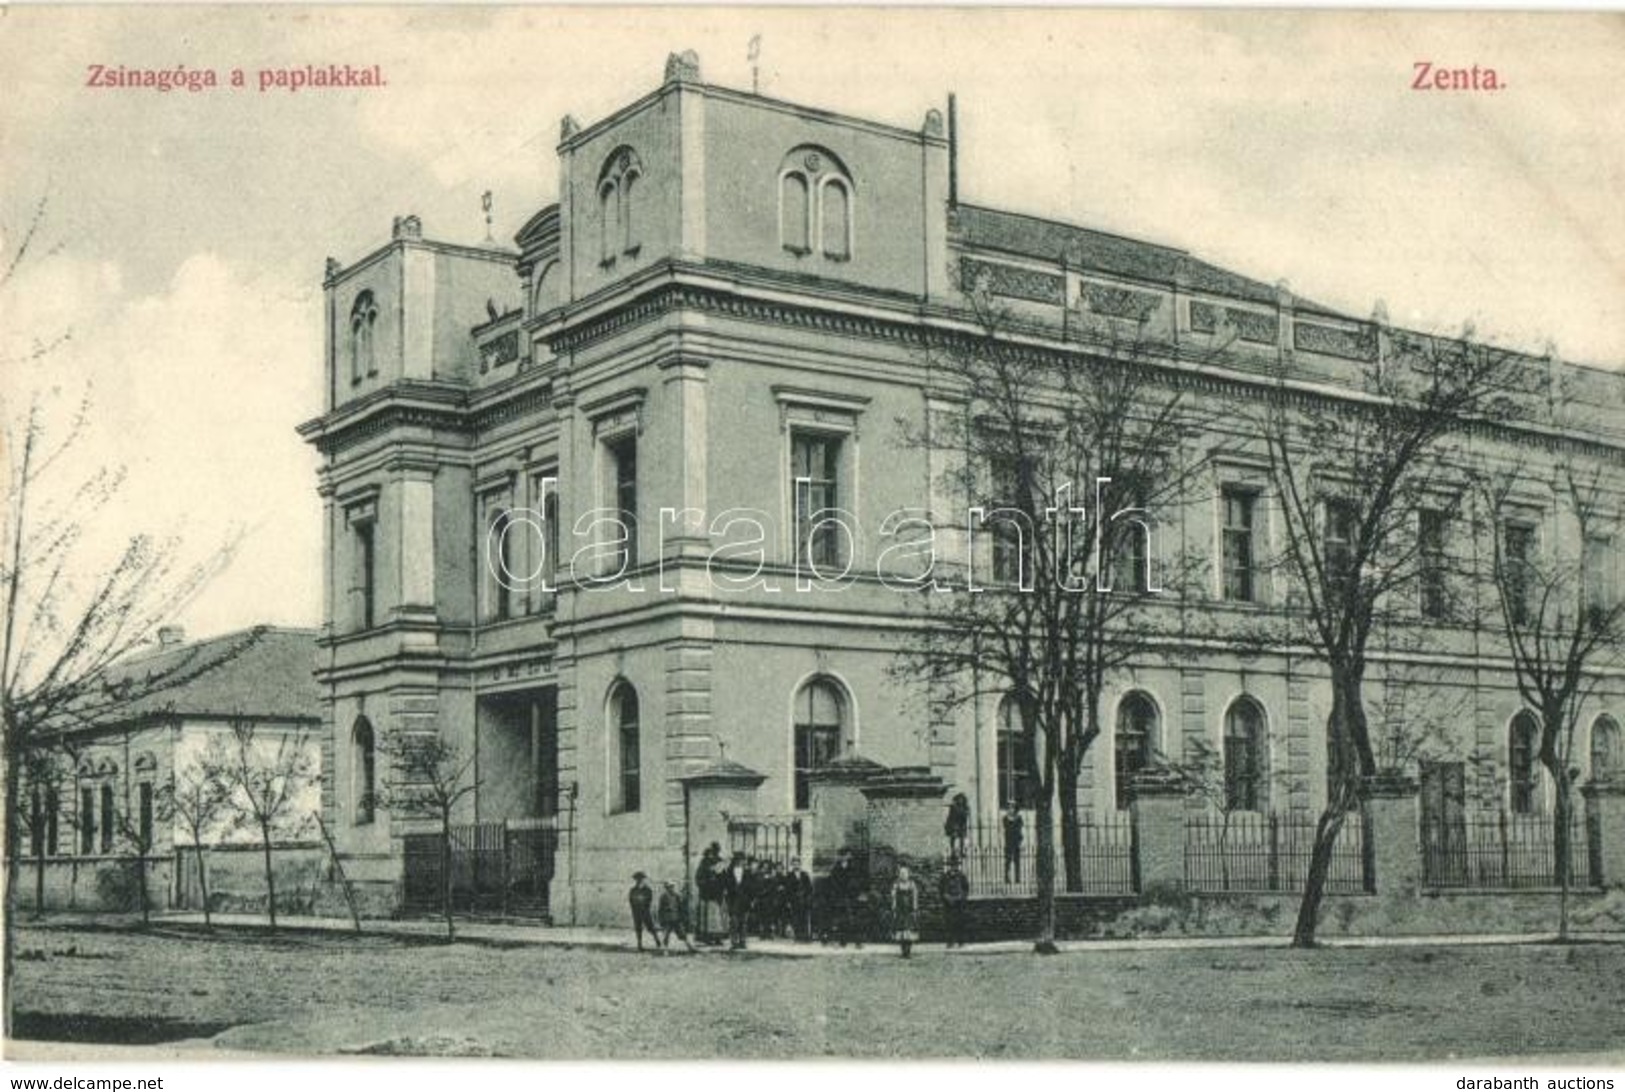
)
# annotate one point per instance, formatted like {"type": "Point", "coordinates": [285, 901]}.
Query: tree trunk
{"type": "Point", "coordinates": [1320, 866]}
{"type": "Point", "coordinates": [1562, 851]}
{"type": "Point", "coordinates": [39, 884]}
{"type": "Point", "coordinates": [203, 880]}
{"type": "Point", "coordinates": [12, 845]}
{"type": "Point", "coordinates": [141, 880]}
{"type": "Point", "coordinates": [445, 873]}
{"type": "Point", "coordinates": [1346, 729]}
{"type": "Point", "coordinates": [1071, 839]}
{"type": "Point", "coordinates": [1044, 820]}
{"type": "Point", "coordinates": [270, 874]}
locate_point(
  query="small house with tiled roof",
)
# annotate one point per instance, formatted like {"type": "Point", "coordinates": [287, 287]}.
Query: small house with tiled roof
{"type": "Point", "coordinates": [99, 785]}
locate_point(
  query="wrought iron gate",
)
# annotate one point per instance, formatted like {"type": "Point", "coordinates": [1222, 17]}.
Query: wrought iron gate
{"type": "Point", "coordinates": [505, 868]}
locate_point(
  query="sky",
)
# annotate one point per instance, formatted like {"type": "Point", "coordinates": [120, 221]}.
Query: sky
{"type": "Point", "coordinates": [184, 236]}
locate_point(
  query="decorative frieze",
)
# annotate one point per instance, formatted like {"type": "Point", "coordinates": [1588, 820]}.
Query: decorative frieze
{"type": "Point", "coordinates": [1207, 318]}
{"type": "Point", "coordinates": [1360, 344]}
{"type": "Point", "coordinates": [1105, 299]}
{"type": "Point", "coordinates": [1012, 281]}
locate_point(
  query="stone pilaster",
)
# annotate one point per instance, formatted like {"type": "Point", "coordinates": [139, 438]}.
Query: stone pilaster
{"type": "Point", "coordinates": [688, 742]}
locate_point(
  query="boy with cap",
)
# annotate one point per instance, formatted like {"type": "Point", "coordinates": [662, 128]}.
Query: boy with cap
{"type": "Point", "coordinates": [641, 898]}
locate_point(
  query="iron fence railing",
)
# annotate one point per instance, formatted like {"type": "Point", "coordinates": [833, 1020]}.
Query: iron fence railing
{"type": "Point", "coordinates": [1252, 852]}
{"type": "Point", "coordinates": [1501, 850]}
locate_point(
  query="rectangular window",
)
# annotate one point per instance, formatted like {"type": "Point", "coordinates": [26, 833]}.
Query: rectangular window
{"type": "Point", "coordinates": [1596, 568]}
{"type": "Point", "coordinates": [1518, 555]}
{"type": "Point", "coordinates": [87, 821]}
{"type": "Point", "coordinates": [1128, 530]}
{"type": "Point", "coordinates": [144, 802]}
{"type": "Point", "coordinates": [623, 454]}
{"type": "Point", "coordinates": [815, 460]}
{"type": "Point", "coordinates": [36, 823]}
{"type": "Point", "coordinates": [366, 576]}
{"type": "Point", "coordinates": [1337, 541]}
{"type": "Point", "coordinates": [53, 811]}
{"type": "Point", "coordinates": [1239, 582]}
{"type": "Point", "coordinates": [1012, 490]}
{"type": "Point", "coordinates": [1431, 563]}
{"type": "Point", "coordinates": [499, 562]}
{"type": "Point", "coordinates": [109, 820]}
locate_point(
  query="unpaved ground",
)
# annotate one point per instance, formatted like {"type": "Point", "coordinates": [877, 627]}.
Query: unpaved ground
{"type": "Point", "coordinates": [314, 993]}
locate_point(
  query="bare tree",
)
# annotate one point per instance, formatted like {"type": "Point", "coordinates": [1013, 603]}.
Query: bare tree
{"type": "Point", "coordinates": [1563, 620]}
{"type": "Point", "coordinates": [45, 813]}
{"type": "Point", "coordinates": [69, 615]}
{"type": "Point", "coordinates": [197, 801]}
{"type": "Point", "coordinates": [427, 778]}
{"type": "Point", "coordinates": [1352, 476]}
{"type": "Point", "coordinates": [263, 775]}
{"type": "Point", "coordinates": [138, 832]}
{"type": "Point", "coordinates": [1068, 462]}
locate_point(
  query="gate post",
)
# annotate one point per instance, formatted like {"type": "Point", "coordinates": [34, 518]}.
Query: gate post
{"type": "Point", "coordinates": [713, 793]}
{"type": "Point", "coordinates": [1605, 814]}
{"type": "Point", "coordinates": [1394, 853]}
{"type": "Point", "coordinates": [1157, 808]}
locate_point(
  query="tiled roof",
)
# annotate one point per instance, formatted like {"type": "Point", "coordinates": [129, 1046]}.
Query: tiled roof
{"type": "Point", "coordinates": [1101, 252]}
{"type": "Point", "coordinates": [262, 672]}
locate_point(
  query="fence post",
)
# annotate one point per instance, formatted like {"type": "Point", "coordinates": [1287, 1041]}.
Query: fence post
{"type": "Point", "coordinates": [1506, 847]}
{"type": "Point", "coordinates": [1157, 807]}
{"type": "Point", "coordinates": [1393, 852]}
{"type": "Point", "coordinates": [1274, 881]}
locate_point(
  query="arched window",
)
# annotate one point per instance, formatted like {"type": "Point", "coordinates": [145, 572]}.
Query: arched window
{"type": "Point", "coordinates": [363, 772]}
{"type": "Point", "coordinates": [1244, 759]}
{"type": "Point", "coordinates": [363, 355]}
{"type": "Point", "coordinates": [815, 204]}
{"type": "Point", "coordinates": [1521, 748]}
{"type": "Point", "coordinates": [618, 221]}
{"type": "Point", "coordinates": [1605, 749]}
{"type": "Point", "coordinates": [629, 232]}
{"type": "Point", "coordinates": [628, 759]}
{"type": "Point", "coordinates": [1015, 752]}
{"type": "Point", "coordinates": [835, 202]}
{"type": "Point", "coordinates": [608, 214]}
{"type": "Point", "coordinates": [820, 728]}
{"type": "Point", "coordinates": [795, 213]}
{"type": "Point", "coordinates": [1136, 741]}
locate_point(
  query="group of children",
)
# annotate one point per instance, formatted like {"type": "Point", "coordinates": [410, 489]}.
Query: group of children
{"type": "Point", "coordinates": [661, 923]}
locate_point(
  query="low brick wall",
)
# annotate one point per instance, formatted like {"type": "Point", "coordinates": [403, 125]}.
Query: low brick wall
{"type": "Point", "coordinates": [96, 883]}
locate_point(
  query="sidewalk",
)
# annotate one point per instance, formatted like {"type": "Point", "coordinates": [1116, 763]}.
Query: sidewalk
{"type": "Point", "coordinates": [582, 936]}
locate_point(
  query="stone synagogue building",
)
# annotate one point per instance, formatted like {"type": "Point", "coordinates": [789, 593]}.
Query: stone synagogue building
{"type": "Point", "coordinates": [729, 298]}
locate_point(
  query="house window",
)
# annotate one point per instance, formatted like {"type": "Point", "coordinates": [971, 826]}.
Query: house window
{"type": "Point", "coordinates": [108, 819]}
{"type": "Point", "coordinates": [608, 213]}
{"type": "Point", "coordinates": [618, 220]}
{"type": "Point", "coordinates": [1011, 519]}
{"type": "Point", "coordinates": [144, 815]}
{"type": "Point", "coordinates": [1521, 748]}
{"type": "Point", "coordinates": [1238, 562]}
{"type": "Point", "coordinates": [623, 457]}
{"type": "Point", "coordinates": [794, 213]}
{"type": "Point", "coordinates": [1597, 579]}
{"type": "Point", "coordinates": [1244, 757]}
{"type": "Point", "coordinates": [36, 823]}
{"type": "Point", "coordinates": [363, 352]}
{"type": "Point", "coordinates": [1128, 531]}
{"type": "Point", "coordinates": [1430, 557]}
{"type": "Point", "coordinates": [1518, 553]}
{"type": "Point", "coordinates": [623, 716]}
{"type": "Point", "coordinates": [1342, 520]}
{"type": "Point", "coordinates": [820, 726]}
{"type": "Point", "coordinates": [366, 576]}
{"type": "Point", "coordinates": [364, 772]}
{"type": "Point", "coordinates": [53, 809]}
{"type": "Point", "coordinates": [836, 212]}
{"type": "Point", "coordinates": [1605, 749]}
{"type": "Point", "coordinates": [815, 460]}
{"type": "Point", "coordinates": [815, 204]}
{"type": "Point", "coordinates": [501, 563]}
{"type": "Point", "coordinates": [87, 820]}
{"type": "Point", "coordinates": [1136, 742]}
{"type": "Point", "coordinates": [1015, 756]}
